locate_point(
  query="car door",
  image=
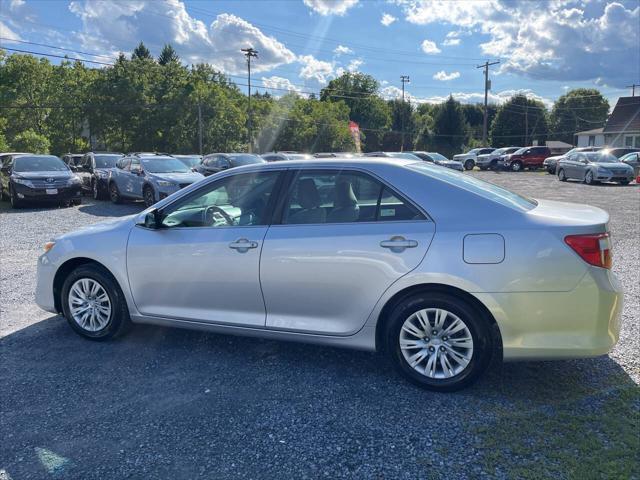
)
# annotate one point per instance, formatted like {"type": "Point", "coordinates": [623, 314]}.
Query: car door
{"type": "Point", "coordinates": [199, 266]}
{"type": "Point", "coordinates": [120, 174]}
{"type": "Point", "coordinates": [343, 237]}
{"type": "Point", "coordinates": [134, 179]}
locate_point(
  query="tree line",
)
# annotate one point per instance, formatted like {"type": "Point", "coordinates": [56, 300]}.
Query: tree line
{"type": "Point", "coordinates": [142, 103]}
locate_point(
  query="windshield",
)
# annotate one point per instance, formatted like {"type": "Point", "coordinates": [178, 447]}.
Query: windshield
{"type": "Point", "coordinates": [407, 156]}
{"type": "Point", "coordinates": [189, 161]}
{"type": "Point", "coordinates": [599, 157]}
{"type": "Point", "coordinates": [45, 163]}
{"type": "Point", "coordinates": [106, 161]}
{"type": "Point", "coordinates": [438, 157]}
{"type": "Point", "coordinates": [485, 189]}
{"type": "Point", "coordinates": [164, 165]}
{"type": "Point", "coordinates": [246, 159]}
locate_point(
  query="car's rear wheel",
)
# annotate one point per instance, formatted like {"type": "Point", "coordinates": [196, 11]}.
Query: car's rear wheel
{"type": "Point", "coordinates": [516, 166]}
{"type": "Point", "coordinates": [114, 193]}
{"type": "Point", "coordinates": [93, 303]}
{"type": "Point", "coordinates": [588, 178]}
{"type": "Point", "coordinates": [469, 164]}
{"type": "Point", "coordinates": [438, 341]}
{"type": "Point", "coordinates": [149, 196]}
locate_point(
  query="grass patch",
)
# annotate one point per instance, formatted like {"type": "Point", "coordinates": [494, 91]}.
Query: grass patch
{"type": "Point", "coordinates": [566, 440]}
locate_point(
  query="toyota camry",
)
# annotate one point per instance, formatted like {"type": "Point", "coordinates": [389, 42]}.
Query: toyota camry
{"type": "Point", "coordinates": [364, 253]}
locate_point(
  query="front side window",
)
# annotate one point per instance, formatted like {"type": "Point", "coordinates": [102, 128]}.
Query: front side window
{"type": "Point", "coordinates": [237, 200]}
{"type": "Point", "coordinates": [343, 196]}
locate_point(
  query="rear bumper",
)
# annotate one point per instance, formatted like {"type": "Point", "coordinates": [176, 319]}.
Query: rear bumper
{"type": "Point", "coordinates": [584, 322]}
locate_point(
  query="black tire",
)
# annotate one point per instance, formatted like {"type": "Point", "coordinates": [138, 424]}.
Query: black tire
{"type": "Point", "coordinates": [517, 166]}
{"type": "Point", "coordinates": [588, 178]}
{"type": "Point", "coordinates": [493, 166]}
{"type": "Point", "coordinates": [475, 321]}
{"type": "Point", "coordinates": [148, 195]}
{"type": "Point", "coordinates": [624, 182]}
{"type": "Point", "coordinates": [95, 190]}
{"type": "Point", "coordinates": [76, 201]}
{"type": "Point", "coordinates": [561, 175]}
{"type": "Point", "coordinates": [119, 321]}
{"type": "Point", "coordinates": [13, 198]}
{"type": "Point", "coordinates": [469, 164]}
{"type": "Point", "coordinates": [114, 193]}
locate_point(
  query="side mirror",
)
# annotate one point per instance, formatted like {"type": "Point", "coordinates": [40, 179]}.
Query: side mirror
{"type": "Point", "coordinates": [153, 219]}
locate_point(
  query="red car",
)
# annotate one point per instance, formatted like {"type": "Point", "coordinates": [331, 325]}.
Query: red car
{"type": "Point", "coordinates": [527, 157]}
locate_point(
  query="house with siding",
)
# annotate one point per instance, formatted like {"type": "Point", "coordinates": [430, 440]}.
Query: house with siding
{"type": "Point", "coordinates": [622, 128]}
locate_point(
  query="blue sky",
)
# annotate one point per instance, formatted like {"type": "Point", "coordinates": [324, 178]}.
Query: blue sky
{"type": "Point", "coordinates": [545, 47]}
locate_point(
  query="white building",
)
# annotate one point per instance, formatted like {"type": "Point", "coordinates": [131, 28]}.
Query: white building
{"type": "Point", "coordinates": [622, 128]}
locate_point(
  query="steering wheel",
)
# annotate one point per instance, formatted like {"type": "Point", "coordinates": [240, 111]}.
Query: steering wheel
{"type": "Point", "coordinates": [214, 214]}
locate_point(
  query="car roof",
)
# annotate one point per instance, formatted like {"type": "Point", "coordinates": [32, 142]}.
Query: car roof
{"type": "Point", "coordinates": [336, 162]}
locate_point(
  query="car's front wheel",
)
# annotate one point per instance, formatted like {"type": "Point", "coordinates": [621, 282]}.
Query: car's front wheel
{"type": "Point", "coordinates": [439, 342]}
{"type": "Point", "coordinates": [114, 193]}
{"type": "Point", "coordinates": [93, 303]}
{"type": "Point", "coordinates": [516, 166]}
{"type": "Point", "coordinates": [469, 164]}
{"type": "Point", "coordinates": [588, 178]}
{"type": "Point", "coordinates": [149, 196]}
{"type": "Point", "coordinates": [561, 175]}
{"type": "Point", "coordinates": [95, 190]}
{"type": "Point", "coordinates": [13, 198]}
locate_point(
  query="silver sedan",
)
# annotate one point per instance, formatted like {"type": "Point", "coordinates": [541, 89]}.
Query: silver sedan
{"type": "Point", "coordinates": [361, 253]}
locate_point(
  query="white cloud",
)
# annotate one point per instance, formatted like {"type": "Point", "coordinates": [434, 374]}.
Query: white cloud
{"type": "Point", "coordinates": [498, 98]}
{"type": "Point", "coordinates": [564, 40]}
{"type": "Point", "coordinates": [355, 64]}
{"type": "Point", "coordinates": [342, 50]}
{"type": "Point", "coordinates": [330, 7]}
{"type": "Point", "coordinates": [119, 26]}
{"type": "Point", "coordinates": [387, 19]}
{"type": "Point", "coordinates": [314, 69]}
{"type": "Point", "coordinates": [429, 47]}
{"type": "Point", "coordinates": [444, 76]}
{"type": "Point", "coordinates": [281, 85]}
{"type": "Point", "coordinates": [451, 42]}
{"type": "Point", "coordinates": [8, 34]}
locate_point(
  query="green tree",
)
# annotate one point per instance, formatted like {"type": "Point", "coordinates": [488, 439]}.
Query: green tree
{"type": "Point", "coordinates": [520, 121]}
{"type": "Point", "coordinates": [474, 115]}
{"type": "Point", "coordinates": [577, 110]}
{"type": "Point", "coordinates": [360, 93]}
{"type": "Point", "coordinates": [449, 127]}
{"type": "Point", "coordinates": [402, 127]}
{"type": "Point", "coordinates": [168, 55]}
{"type": "Point", "coordinates": [141, 52]}
{"type": "Point", "coordinates": [30, 141]}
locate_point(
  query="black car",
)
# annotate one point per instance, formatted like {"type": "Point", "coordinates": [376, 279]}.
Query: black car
{"type": "Point", "coordinates": [73, 160]}
{"type": "Point", "coordinates": [39, 178]}
{"type": "Point", "coordinates": [190, 161]}
{"type": "Point", "coordinates": [94, 172]}
{"type": "Point", "coordinates": [217, 162]}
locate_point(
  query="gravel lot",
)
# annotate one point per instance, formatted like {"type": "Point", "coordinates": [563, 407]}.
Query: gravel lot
{"type": "Point", "coordinates": [163, 403]}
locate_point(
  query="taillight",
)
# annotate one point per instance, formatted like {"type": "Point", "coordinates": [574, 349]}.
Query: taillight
{"type": "Point", "coordinates": [595, 249]}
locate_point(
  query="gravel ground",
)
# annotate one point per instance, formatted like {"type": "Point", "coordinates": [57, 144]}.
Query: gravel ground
{"type": "Point", "coordinates": [163, 403]}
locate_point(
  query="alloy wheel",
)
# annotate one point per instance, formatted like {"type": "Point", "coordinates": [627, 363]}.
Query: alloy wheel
{"type": "Point", "coordinates": [149, 198]}
{"type": "Point", "coordinates": [588, 178]}
{"type": "Point", "coordinates": [436, 343]}
{"type": "Point", "coordinates": [113, 193]}
{"type": "Point", "coordinates": [89, 304]}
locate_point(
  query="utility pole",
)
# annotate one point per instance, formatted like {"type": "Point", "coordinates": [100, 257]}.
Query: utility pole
{"type": "Point", "coordinates": [526, 124]}
{"type": "Point", "coordinates": [487, 87]}
{"type": "Point", "coordinates": [633, 88]}
{"type": "Point", "coordinates": [404, 79]}
{"type": "Point", "coordinates": [249, 53]}
{"type": "Point", "coordinates": [200, 127]}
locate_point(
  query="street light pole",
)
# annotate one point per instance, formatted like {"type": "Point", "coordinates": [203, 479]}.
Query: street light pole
{"type": "Point", "coordinates": [249, 53]}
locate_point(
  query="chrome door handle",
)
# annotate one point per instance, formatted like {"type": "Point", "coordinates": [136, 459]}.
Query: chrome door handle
{"type": "Point", "coordinates": [398, 244]}
{"type": "Point", "coordinates": [242, 245]}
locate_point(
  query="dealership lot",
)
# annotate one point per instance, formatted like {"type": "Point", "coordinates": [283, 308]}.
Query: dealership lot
{"type": "Point", "coordinates": [163, 401]}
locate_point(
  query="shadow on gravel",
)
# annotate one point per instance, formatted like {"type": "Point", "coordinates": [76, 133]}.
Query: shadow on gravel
{"type": "Point", "coordinates": [108, 209]}
{"type": "Point", "coordinates": [170, 403]}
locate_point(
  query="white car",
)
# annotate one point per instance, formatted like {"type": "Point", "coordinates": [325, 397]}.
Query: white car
{"type": "Point", "coordinates": [468, 159]}
{"type": "Point", "coordinates": [361, 253]}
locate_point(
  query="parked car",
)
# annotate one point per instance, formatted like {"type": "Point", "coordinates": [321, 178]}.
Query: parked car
{"type": "Point", "coordinates": [527, 157]}
{"type": "Point", "coordinates": [190, 161]}
{"type": "Point", "coordinates": [216, 162]}
{"type": "Point", "coordinates": [94, 169]}
{"type": "Point", "coordinates": [38, 178]}
{"type": "Point", "coordinates": [401, 155]}
{"type": "Point", "coordinates": [493, 160]}
{"type": "Point", "coordinates": [256, 251]}
{"type": "Point", "coordinates": [633, 160]}
{"type": "Point", "coordinates": [594, 167]}
{"type": "Point", "coordinates": [336, 155]}
{"type": "Point", "coordinates": [149, 177]}
{"type": "Point", "coordinates": [73, 160]}
{"type": "Point", "coordinates": [438, 159]}
{"type": "Point", "coordinates": [550, 163]}
{"type": "Point", "coordinates": [287, 155]}
{"type": "Point", "coordinates": [468, 159]}
{"type": "Point", "coordinates": [621, 152]}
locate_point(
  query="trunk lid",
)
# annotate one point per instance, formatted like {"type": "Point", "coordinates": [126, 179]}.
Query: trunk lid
{"type": "Point", "coordinates": [582, 218]}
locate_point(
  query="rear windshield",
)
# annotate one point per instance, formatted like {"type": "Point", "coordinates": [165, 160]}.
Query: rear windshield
{"type": "Point", "coordinates": [600, 157]}
{"type": "Point", "coordinates": [246, 159]}
{"type": "Point", "coordinates": [485, 189]}
{"type": "Point", "coordinates": [407, 156]}
{"type": "Point", "coordinates": [47, 163]}
{"type": "Point", "coordinates": [106, 161]}
{"type": "Point", "coordinates": [163, 165]}
{"type": "Point", "coordinates": [436, 156]}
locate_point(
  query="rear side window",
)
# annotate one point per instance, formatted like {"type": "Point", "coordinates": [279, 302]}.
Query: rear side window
{"type": "Point", "coordinates": [343, 196]}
